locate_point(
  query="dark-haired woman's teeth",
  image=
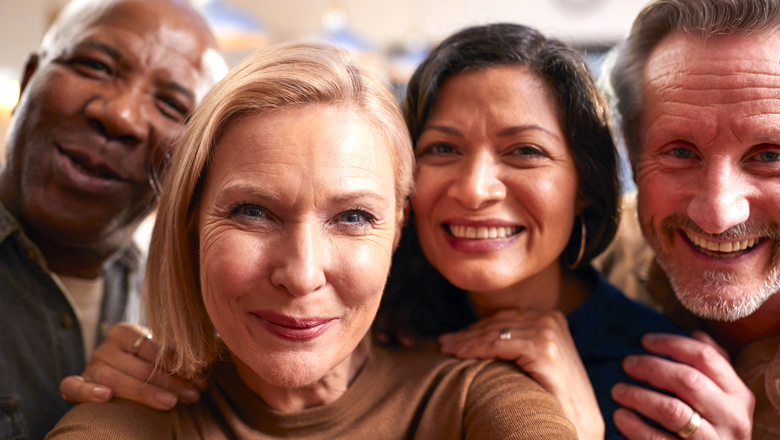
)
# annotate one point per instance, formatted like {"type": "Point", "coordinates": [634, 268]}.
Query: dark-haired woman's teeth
{"type": "Point", "coordinates": [737, 245]}
{"type": "Point", "coordinates": [483, 232]}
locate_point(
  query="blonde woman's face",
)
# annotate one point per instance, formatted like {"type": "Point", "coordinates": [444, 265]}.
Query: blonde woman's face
{"type": "Point", "coordinates": [296, 233]}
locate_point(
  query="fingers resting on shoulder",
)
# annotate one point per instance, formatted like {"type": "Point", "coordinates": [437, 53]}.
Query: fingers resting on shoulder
{"type": "Point", "coordinates": [709, 398]}
{"type": "Point", "coordinates": [124, 365]}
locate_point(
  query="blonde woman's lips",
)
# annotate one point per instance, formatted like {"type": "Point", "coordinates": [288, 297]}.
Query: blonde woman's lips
{"type": "Point", "coordinates": [291, 328]}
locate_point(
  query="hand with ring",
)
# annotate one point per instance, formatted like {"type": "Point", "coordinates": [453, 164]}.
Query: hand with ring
{"type": "Point", "coordinates": [710, 401]}
{"type": "Point", "coordinates": [124, 366]}
{"type": "Point", "coordinates": [541, 344]}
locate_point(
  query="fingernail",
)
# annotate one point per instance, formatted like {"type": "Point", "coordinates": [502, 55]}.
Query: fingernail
{"type": "Point", "coordinates": [190, 396]}
{"type": "Point", "coordinates": [651, 337]}
{"type": "Point", "coordinates": [619, 389]}
{"type": "Point", "coordinates": [101, 393]}
{"type": "Point", "coordinates": [630, 361]}
{"type": "Point", "coordinates": [166, 399]}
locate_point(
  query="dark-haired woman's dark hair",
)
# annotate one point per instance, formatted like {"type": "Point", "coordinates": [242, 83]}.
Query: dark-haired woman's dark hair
{"type": "Point", "coordinates": [419, 300]}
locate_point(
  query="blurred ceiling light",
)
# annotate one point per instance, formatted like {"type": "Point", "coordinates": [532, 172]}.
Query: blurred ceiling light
{"type": "Point", "coordinates": [235, 28]}
{"type": "Point", "coordinates": [9, 95]}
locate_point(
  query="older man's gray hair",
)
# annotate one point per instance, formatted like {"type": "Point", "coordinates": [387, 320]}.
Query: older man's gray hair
{"type": "Point", "coordinates": [702, 18]}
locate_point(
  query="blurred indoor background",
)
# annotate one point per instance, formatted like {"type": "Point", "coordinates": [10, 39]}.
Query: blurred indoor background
{"type": "Point", "coordinates": [391, 35]}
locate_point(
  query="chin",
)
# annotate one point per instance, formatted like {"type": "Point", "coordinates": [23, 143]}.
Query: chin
{"type": "Point", "coordinates": [480, 282]}
{"type": "Point", "coordinates": [721, 296]}
{"type": "Point", "coordinates": [292, 370]}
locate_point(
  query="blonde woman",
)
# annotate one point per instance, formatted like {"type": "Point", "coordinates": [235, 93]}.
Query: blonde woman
{"type": "Point", "coordinates": [275, 231]}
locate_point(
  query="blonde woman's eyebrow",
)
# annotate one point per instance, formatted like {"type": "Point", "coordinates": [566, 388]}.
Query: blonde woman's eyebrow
{"type": "Point", "coordinates": [358, 196]}
{"type": "Point", "coordinates": [249, 192]}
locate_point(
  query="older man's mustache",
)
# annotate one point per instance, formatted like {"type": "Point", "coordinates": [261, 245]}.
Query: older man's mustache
{"type": "Point", "coordinates": [749, 229]}
{"type": "Point", "coordinates": [763, 229]}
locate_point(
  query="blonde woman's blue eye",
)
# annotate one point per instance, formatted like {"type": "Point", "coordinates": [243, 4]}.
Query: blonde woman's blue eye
{"type": "Point", "coordinates": [248, 211]}
{"type": "Point", "coordinates": [352, 217]}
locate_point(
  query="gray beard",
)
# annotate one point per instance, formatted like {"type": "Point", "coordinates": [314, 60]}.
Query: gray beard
{"type": "Point", "coordinates": [705, 297]}
{"type": "Point", "coordinates": [703, 294]}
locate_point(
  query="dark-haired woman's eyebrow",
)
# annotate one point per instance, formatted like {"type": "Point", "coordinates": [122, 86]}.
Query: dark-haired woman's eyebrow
{"type": "Point", "coordinates": [444, 129]}
{"type": "Point", "coordinates": [511, 131]}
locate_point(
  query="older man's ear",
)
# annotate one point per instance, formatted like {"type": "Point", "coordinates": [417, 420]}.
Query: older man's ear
{"type": "Point", "coordinates": [29, 68]}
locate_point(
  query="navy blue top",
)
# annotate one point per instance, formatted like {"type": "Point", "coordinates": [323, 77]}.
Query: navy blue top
{"type": "Point", "coordinates": [606, 328]}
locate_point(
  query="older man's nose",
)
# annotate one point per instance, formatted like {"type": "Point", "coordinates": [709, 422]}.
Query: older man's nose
{"type": "Point", "coordinates": [119, 113]}
{"type": "Point", "coordinates": [479, 184]}
{"type": "Point", "coordinates": [300, 270]}
{"type": "Point", "coordinates": [720, 201]}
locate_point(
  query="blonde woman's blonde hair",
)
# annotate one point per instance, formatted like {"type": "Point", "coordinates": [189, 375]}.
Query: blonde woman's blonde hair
{"type": "Point", "coordinates": [284, 76]}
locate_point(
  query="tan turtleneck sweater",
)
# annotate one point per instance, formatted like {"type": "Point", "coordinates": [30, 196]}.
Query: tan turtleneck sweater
{"type": "Point", "coordinates": [395, 396]}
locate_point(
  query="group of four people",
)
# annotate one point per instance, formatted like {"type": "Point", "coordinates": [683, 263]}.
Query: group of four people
{"type": "Point", "coordinates": [284, 199]}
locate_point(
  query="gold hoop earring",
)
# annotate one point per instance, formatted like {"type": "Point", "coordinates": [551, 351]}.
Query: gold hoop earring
{"type": "Point", "coordinates": [581, 252]}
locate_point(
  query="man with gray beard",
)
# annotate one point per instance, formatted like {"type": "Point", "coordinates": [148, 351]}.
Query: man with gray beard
{"type": "Point", "coordinates": [698, 89]}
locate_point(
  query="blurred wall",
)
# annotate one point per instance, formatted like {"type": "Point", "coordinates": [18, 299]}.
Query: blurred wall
{"type": "Point", "coordinates": [383, 24]}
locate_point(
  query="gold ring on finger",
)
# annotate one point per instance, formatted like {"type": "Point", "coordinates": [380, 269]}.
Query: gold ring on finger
{"type": "Point", "coordinates": [136, 347]}
{"type": "Point", "coordinates": [691, 427]}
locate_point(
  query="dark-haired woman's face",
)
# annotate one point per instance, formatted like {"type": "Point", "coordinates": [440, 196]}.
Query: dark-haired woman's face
{"type": "Point", "coordinates": [496, 192]}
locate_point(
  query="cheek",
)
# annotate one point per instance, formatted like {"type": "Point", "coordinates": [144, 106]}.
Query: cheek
{"type": "Point", "coordinates": [430, 185]}
{"type": "Point", "coordinates": [550, 198]}
{"type": "Point", "coordinates": [654, 200]}
{"type": "Point", "coordinates": [359, 270]}
{"type": "Point", "coordinates": [230, 264]}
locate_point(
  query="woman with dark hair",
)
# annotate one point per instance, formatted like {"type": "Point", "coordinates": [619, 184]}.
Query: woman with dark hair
{"type": "Point", "coordinates": [516, 191]}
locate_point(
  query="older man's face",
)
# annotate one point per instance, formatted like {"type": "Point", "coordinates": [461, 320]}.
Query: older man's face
{"type": "Point", "coordinates": [708, 170]}
{"type": "Point", "coordinates": [97, 115]}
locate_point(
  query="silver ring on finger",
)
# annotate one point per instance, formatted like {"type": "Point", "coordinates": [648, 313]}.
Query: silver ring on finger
{"type": "Point", "coordinates": [136, 347]}
{"type": "Point", "coordinates": [505, 333]}
{"type": "Point", "coordinates": [691, 427]}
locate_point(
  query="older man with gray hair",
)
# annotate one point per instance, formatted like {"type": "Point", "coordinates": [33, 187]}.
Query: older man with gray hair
{"type": "Point", "coordinates": [698, 89]}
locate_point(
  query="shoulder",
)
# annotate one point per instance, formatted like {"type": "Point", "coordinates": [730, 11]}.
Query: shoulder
{"type": "Point", "coordinates": [615, 311]}
{"type": "Point", "coordinates": [118, 419]}
{"type": "Point", "coordinates": [503, 402]}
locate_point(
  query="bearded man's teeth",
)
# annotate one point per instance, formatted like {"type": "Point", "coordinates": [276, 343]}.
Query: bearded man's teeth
{"type": "Point", "coordinates": [738, 245]}
{"type": "Point", "coordinates": [483, 232]}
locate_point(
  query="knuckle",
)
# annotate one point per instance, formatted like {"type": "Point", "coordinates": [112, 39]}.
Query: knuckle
{"type": "Point", "coordinates": [549, 350]}
{"type": "Point", "coordinates": [104, 376]}
{"type": "Point", "coordinates": [691, 379]}
{"type": "Point", "coordinates": [672, 409]}
{"type": "Point", "coordinates": [115, 332]}
{"type": "Point", "coordinates": [707, 354]}
{"type": "Point", "coordinates": [101, 352]}
{"type": "Point", "coordinates": [742, 429]}
{"type": "Point", "coordinates": [548, 321]}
